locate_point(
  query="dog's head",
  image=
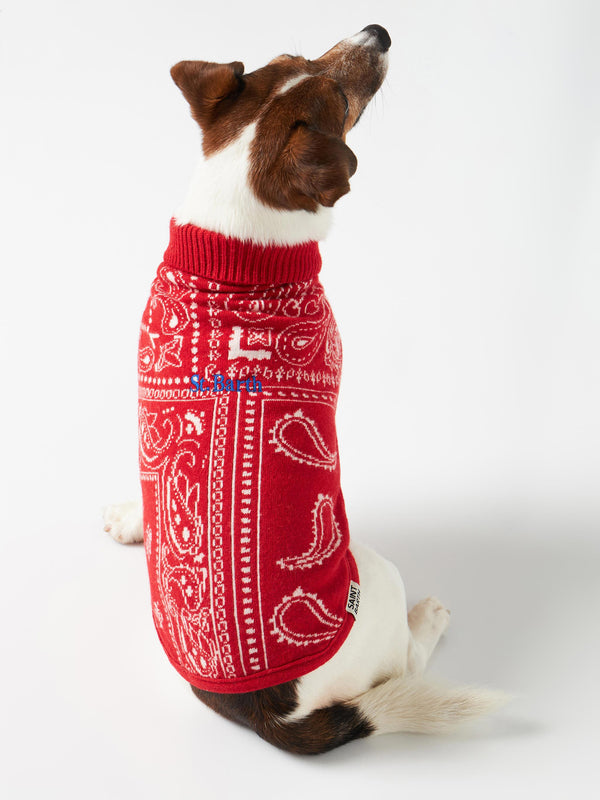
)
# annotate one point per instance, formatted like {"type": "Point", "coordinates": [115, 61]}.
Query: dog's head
{"type": "Point", "coordinates": [300, 111]}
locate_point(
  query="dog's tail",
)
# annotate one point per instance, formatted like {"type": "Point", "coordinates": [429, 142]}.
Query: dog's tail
{"type": "Point", "coordinates": [417, 705]}
{"type": "Point", "coordinates": [413, 705]}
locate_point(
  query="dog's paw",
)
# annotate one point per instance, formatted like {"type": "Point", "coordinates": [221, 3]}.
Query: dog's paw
{"type": "Point", "coordinates": [429, 617]}
{"type": "Point", "coordinates": [124, 522]}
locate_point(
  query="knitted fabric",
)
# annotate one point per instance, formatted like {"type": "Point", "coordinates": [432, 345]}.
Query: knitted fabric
{"type": "Point", "coordinates": [245, 529]}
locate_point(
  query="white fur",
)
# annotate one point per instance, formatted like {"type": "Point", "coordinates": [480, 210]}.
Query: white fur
{"type": "Point", "coordinates": [291, 82]}
{"type": "Point", "coordinates": [362, 37]}
{"type": "Point", "coordinates": [220, 199]}
{"type": "Point", "coordinates": [124, 522]}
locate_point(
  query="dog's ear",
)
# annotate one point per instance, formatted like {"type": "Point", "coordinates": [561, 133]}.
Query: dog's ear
{"type": "Point", "coordinates": [313, 169]}
{"type": "Point", "coordinates": [300, 159]}
{"type": "Point", "coordinates": [205, 85]}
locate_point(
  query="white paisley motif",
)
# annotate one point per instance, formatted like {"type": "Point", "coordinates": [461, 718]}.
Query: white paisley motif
{"type": "Point", "coordinates": [184, 527]}
{"type": "Point", "coordinates": [333, 347]}
{"type": "Point", "coordinates": [298, 437]}
{"type": "Point", "coordinates": [146, 359]}
{"type": "Point", "coordinates": [324, 624]}
{"type": "Point", "coordinates": [194, 640]}
{"type": "Point", "coordinates": [174, 316]}
{"type": "Point", "coordinates": [155, 436]}
{"type": "Point", "coordinates": [299, 343]}
{"type": "Point", "coordinates": [326, 537]}
{"type": "Point", "coordinates": [170, 354]}
{"type": "Point", "coordinates": [185, 588]}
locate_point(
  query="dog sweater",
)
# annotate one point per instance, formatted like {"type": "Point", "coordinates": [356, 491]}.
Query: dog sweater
{"type": "Point", "coordinates": [251, 578]}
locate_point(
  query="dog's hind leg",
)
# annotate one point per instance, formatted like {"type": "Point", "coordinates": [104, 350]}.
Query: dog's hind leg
{"type": "Point", "coordinates": [427, 622]}
{"type": "Point", "coordinates": [124, 522]}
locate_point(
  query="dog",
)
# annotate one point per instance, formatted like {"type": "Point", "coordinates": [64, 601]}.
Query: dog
{"type": "Point", "coordinates": [262, 602]}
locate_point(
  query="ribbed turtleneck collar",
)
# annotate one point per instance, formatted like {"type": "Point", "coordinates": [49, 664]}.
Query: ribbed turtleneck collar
{"type": "Point", "coordinates": [222, 258]}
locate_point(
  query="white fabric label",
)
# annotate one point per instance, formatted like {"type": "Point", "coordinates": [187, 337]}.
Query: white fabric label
{"type": "Point", "coordinates": [353, 599]}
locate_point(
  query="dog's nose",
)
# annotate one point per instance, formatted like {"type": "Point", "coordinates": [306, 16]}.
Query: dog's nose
{"type": "Point", "coordinates": [381, 35]}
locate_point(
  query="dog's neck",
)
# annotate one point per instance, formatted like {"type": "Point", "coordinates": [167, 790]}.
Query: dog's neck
{"type": "Point", "coordinates": [220, 199]}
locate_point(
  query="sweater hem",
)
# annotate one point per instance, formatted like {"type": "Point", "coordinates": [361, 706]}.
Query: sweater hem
{"type": "Point", "coordinates": [283, 674]}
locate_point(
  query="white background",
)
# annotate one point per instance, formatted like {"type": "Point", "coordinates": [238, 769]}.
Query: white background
{"type": "Point", "coordinates": [463, 271]}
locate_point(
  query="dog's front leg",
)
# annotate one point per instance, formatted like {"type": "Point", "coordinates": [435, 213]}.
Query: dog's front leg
{"type": "Point", "coordinates": [124, 522]}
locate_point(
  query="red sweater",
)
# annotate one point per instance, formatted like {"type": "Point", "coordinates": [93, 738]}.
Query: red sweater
{"type": "Point", "coordinates": [251, 578]}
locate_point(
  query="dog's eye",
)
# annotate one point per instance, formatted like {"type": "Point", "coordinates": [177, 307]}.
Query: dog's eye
{"type": "Point", "coordinates": [347, 108]}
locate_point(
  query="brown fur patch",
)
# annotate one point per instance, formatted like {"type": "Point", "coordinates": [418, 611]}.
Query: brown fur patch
{"type": "Point", "coordinates": [264, 712]}
{"type": "Point", "coordinates": [223, 100]}
{"type": "Point", "coordinates": [299, 158]}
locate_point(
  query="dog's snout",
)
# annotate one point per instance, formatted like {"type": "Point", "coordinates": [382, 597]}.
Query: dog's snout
{"type": "Point", "coordinates": [381, 36]}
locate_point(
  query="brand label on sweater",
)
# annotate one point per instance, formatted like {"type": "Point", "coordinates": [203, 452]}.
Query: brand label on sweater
{"type": "Point", "coordinates": [353, 599]}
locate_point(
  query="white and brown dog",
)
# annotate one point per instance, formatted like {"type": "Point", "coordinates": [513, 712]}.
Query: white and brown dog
{"type": "Point", "coordinates": [274, 163]}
